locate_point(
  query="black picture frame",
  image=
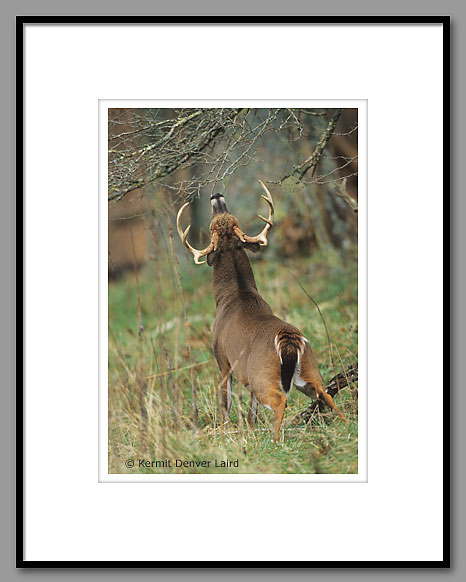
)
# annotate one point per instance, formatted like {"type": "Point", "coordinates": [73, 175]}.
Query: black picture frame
{"type": "Point", "coordinates": [21, 21]}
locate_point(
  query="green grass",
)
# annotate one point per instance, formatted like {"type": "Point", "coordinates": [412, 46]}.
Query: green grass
{"type": "Point", "coordinates": [158, 370]}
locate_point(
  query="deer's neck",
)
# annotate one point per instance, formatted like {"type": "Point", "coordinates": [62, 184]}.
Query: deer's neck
{"type": "Point", "coordinates": [232, 276]}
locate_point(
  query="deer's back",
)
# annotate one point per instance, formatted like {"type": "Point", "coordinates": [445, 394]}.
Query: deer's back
{"type": "Point", "coordinates": [245, 333]}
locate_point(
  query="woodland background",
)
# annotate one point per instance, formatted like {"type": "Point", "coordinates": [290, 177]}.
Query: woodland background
{"type": "Point", "coordinates": [163, 378]}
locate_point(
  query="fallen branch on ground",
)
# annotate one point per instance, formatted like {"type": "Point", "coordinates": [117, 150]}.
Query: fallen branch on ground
{"type": "Point", "coordinates": [338, 382]}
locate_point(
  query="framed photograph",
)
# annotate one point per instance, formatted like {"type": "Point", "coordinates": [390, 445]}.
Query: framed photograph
{"type": "Point", "coordinates": [172, 403]}
{"type": "Point", "coordinates": [226, 258]}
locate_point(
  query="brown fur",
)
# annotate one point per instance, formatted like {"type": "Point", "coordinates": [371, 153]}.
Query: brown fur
{"type": "Point", "coordinates": [245, 330]}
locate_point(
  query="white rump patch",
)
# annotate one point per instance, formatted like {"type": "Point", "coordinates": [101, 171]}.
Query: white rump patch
{"type": "Point", "coordinates": [297, 380]}
{"type": "Point", "coordinates": [278, 349]}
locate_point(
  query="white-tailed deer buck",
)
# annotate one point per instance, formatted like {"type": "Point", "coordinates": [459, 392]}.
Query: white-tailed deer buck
{"type": "Point", "coordinates": [262, 351]}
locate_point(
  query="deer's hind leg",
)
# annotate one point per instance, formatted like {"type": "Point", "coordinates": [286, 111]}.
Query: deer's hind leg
{"type": "Point", "coordinates": [310, 382]}
{"type": "Point", "coordinates": [278, 403]}
{"type": "Point", "coordinates": [268, 393]}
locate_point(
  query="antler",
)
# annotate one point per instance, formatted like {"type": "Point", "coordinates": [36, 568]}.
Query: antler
{"type": "Point", "coordinates": [184, 235]}
{"type": "Point", "coordinates": [261, 238]}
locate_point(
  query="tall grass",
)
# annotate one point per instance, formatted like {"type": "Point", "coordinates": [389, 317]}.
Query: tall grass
{"type": "Point", "coordinates": [163, 378]}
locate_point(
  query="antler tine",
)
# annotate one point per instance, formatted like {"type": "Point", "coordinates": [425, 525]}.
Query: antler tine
{"type": "Point", "coordinates": [261, 238]}
{"type": "Point", "coordinates": [184, 236]}
{"type": "Point", "coordinates": [178, 220]}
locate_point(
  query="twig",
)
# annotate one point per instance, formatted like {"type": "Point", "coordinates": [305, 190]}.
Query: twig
{"type": "Point", "coordinates": [340, 190]}
{"type": "Point", "coordinates": [308, 295]}
{"type": "Point", "coordinates": [179, 369]}
{"type": "Point", "coordinates": [313, 160]}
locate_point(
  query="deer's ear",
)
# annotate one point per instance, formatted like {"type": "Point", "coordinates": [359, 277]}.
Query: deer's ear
{"type": "Point", "coordinates": [254, 247]}
{"type": "Point", "coordinates": [211, 257]}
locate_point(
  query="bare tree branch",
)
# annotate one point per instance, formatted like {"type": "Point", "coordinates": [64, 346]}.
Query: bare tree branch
{"type": "Point", "coordinates": [313, 160]}
{"type": "Point", "coordinates": [192, 150]}
{"type": "Point", "coordinates": [172, 144]}
{"type": "Point", "coordinates": [340, 190]}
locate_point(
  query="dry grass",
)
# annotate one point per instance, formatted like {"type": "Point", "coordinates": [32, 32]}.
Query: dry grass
{"type": "Point", "coordinates": [163, 378]}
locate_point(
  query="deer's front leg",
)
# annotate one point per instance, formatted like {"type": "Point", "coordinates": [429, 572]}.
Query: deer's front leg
{"type": "Point", "coordinates": [252, 415]}
{"type": "Point", "coordinates": [226, 393]}
{"type": "Point", "coordinates": [226, 384]}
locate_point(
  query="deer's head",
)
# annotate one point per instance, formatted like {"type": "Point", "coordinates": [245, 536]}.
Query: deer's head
{"type": "Point", "coordinates": [225, 231]}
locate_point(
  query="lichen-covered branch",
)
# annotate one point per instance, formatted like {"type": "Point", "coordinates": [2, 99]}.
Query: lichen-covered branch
{"type": "Point", "coordinates": [186, 151]}
{"type": "Point", "coordinates": [313, 161]}
{"type": "Point", "coordinates": [170, 145]}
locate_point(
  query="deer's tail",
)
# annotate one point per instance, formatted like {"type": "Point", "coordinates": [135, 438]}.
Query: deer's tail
{"type": "Point", "coordinates": [290, 346]}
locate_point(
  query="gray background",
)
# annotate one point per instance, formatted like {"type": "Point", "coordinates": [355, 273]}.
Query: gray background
{"type": "Point", "coordinates": [456, 9]}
